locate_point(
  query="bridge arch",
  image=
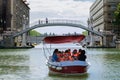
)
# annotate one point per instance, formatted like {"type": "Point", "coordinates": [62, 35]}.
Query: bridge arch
{"type": "Point", "coordinates": [71, 23]}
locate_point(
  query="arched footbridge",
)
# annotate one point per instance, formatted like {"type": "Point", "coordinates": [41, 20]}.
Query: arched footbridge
{"type": "Point", "coordinates": [58, 22]}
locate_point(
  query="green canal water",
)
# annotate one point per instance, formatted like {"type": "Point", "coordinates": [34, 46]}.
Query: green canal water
{"type": "Point", "coordinates": [30, 64]}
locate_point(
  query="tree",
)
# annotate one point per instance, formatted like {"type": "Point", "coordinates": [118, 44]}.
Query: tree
{"type": "Point", "coordinates": [85, 33]}
{"type": "Point", "coordinates": [34, 33]}
{"type": "Point", "coordinates": [117, 15]}
{"type": "Point", "coordinates": [116, 21]}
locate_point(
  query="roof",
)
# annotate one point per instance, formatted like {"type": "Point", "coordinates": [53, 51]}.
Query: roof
{"type": "Point", "coordinates": [63, 39]}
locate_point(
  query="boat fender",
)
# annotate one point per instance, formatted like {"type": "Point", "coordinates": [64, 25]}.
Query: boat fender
{"type": "Point", "coordinates": [54, 67]}
{"type": "Point", "coordinates": [58, 68]}
{"type": "Point", "coordinates": [49, 65]}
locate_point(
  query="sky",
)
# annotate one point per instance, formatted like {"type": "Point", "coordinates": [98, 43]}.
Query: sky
{"type": "Point", "coordinates": [60, 9]}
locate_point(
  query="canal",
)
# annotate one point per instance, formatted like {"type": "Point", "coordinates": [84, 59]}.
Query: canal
{"type": "Point", "coordinates": [30, 64]}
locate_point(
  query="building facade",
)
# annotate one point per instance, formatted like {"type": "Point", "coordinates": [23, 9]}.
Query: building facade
{"type": "Point", "coordinates": [20, 14]}
{"type": "Point", "coordinates": [101, 19]}
{"type": "Point", "coordinates": [14, 17]}
{"type": "Point", "coordinates": [5, 15]}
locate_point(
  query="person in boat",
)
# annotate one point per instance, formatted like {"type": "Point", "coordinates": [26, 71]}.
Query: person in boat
{"type": "Point", "coordinates": [79, 51]}
{"type": "Point", "coordinates": [82, 56]}
{"type": "Point", "coordinates": [60, 56]}
{"type": "Point", "coordinates": [66, 55]}
{"type": "Point", "coordinates": [75, 54]}
{"type": "Point", "coordinates": [69, 52]}
{"type": "Point", "coordinates": [55, 56]}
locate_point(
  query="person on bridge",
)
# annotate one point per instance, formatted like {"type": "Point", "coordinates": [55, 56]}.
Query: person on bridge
{"type": "Point", "coordinates": [46, 20]}
{"type": "Point", "coordinates": [39, 21]}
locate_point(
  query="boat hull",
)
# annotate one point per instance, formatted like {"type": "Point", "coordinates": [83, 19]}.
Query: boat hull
{"type": "Point", "coordinates": [68, 67]}
{"type": "Point", "coordinates": [69, 70]}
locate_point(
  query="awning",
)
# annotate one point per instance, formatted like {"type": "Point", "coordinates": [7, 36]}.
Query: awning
{"type": "Point", "coordinates": [63, 39]}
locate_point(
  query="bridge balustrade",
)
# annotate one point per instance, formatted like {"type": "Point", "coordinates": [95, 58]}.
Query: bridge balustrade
{"type": "Point", "coordinates": [58, 21]}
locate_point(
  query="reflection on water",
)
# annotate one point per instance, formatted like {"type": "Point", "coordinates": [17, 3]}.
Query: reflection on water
{"type": "Point", "coordinates": [70, 77]}
{"type": "Point", "coordinates": [13, 59]}
{"type": "Point", "coordinates": [30, 64]}
{"type": "Point", "coordinates": [14, 64]}
{"type": "Point", "coordinates": [104, 64]}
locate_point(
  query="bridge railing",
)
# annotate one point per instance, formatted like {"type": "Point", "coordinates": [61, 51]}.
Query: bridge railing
{"type": "Point", "coordinates": [53, 21]}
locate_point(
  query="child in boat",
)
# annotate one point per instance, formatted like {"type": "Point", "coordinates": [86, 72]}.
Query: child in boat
{"type": "Point", "coordinates": [70, 55]}
{"type": "Point", "coordinates": [66, 55]}
{"type": "Point", "coordinates": [60, 56]}
{"type": "Point", "coordinates": [69, 52]}
{"type": "Point", "coordinates": [75, 54]}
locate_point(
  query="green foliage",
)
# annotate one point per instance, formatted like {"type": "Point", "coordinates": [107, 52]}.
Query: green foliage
{"type": "Point", "coordinates": [34, 33]}
{"type": "Point", "coordinates": [117, 15]}
{"type": "Point", "coordinates": [85, 33]}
